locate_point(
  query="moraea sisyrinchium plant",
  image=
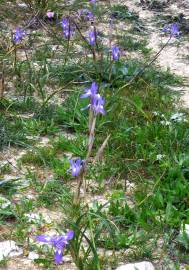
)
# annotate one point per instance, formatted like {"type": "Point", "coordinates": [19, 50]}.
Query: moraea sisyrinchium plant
{"type": "Point", "coordinates": [97, 104]}
{"type": "Point", "coordinates": [115, 53]}
{"type": "Point", "coordinates": [19, 35]}
{"type": "Point", "coordinates": [92, 38]}
{"type": "Point", "coordinates": [67, 27]}
{"type": "Point", "coordinates": [172, 29]}
{"type": "Point", "coordinates": [59, 243]}
{"type": "Point", "coordinates": [76, 166]}
{"type": "Point", "coordinates": [90, 92]}
{"type": "Point", "coordinates": [87, 14]}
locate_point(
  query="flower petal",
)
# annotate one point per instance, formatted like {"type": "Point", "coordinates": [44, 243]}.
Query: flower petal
{"type": "Point", "coordinates": [45, 239]}
{"type": "Point", "coordinates": [69, 235]}
{"type": "Point", "coordinates": [94, 88]}
{"type": "Point", "coordinates": [85, 108]}
{"type": "Point", "coordinates": [85, 95]}
{"type": "Point", "coordinates": [58, 256]}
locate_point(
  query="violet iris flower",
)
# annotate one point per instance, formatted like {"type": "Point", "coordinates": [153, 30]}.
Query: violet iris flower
{"type": "Point", "coordinates": [97, 104]}
{"type": "Point", "coordinates": [92, 38]}
{"type": "Point", "coordinates": [67, 28]}
{"type": "Point", "coordinates": [76, 166]}
{"type": "Point", "coordinates": [88, 15]}
{"type": "Point", "coordinates": [90, 92]}
{"type": "Point", "coordinates": [115, 53]}
{"type": "Point", "coordinates": [19, 35]}
{"type": "Point", "coordinates": [93, 1]}
{"type": "Point", "coordinates": [172, 29]}
{"type": "Point", "coordinates": [65, 23]}
{"type": "Point", "coordinates": [59, 243]}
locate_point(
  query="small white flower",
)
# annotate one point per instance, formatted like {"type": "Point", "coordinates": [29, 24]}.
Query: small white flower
{"type": "Point", "coordinates": [33, 217]}
{"type": "Point", "coordinates": [4, 203]}
{"type": "Point", "coordinates": [37, 218]}
{"type": "Point", "coordinates": [165, 123]}
{"type": "Point", "coordinates": [160, 157]}
{"type": "Point", "coordinates": [178, 117]}
{"type": "Point", "coordinates": [156, 113]}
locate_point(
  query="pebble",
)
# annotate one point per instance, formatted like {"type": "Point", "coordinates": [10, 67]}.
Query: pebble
{"type": "Point", "coordinates": [137, 266]}
{"type": "Point", "coordinates": [33, 256]}
{"type": "Point", "coordinates": [9, 249]}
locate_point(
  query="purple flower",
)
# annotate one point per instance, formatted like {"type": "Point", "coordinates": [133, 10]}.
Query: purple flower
{"type": "Point", "coordinates": [50, 14]}
{"type": "Point", "coordinates": [59, 243]}
{"type": "Point", "coordinates": [90, 92]}
{"type": "Point", "coordinates": [97, 104]}
{"type": "Point", "coordinates": [76, 166]}
{"type": "Point", "coordinates": [92, 37]}
{"type": "Point", "coordinates": [93, 1]}
{"type": "Point", "coordinates": [96, 101]}
{"type": "Point", "coordinates": [19, 35]}
{"type": "Point", "coordinates": [88, 15]}
{"type": "Point", "coordinates": [67, 28]}
{"type": "Point", "coordinates": [115, 53]}
{"type": "Point", "coordinates": [172, 29]}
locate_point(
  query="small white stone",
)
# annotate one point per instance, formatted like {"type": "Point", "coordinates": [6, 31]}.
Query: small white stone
{"type": "Point", "coordinates": [9, 249]}
{"type": "Point", "coordinates": [67, 258]}
{"type": "Point", "coordinates": [54, 48]}
{"type": "Point", "coordinates": [33, 256]}
{"type": "Point", "coordinates": [22, 5]}
{"type": "Point", "coordinates": [137, 266]}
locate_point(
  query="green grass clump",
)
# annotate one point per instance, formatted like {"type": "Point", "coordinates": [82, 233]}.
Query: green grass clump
{"type": "Point", "coordinates": [130, 44]}
{"type": "Point", "coordinates": [121, 12]}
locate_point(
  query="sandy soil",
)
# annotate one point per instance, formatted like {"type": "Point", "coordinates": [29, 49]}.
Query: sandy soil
{"type": "Point", "coordinates": [174, 55]}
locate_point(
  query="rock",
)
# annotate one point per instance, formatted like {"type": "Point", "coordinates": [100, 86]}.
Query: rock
{"type": "Point", "coordinates": [137, 266]}
{"type": "Point", "coordinates": [33, 256]}
{"type": "Point", "coordinates": [9, 249]}
{"type": "Point", "coordinates": [22, 5]}
{"type": "Point", "coordinates": [67, 259]}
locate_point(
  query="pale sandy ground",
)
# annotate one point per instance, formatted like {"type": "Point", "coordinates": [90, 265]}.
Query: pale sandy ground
{"type": "Point", "coordinates": [173, 57]}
